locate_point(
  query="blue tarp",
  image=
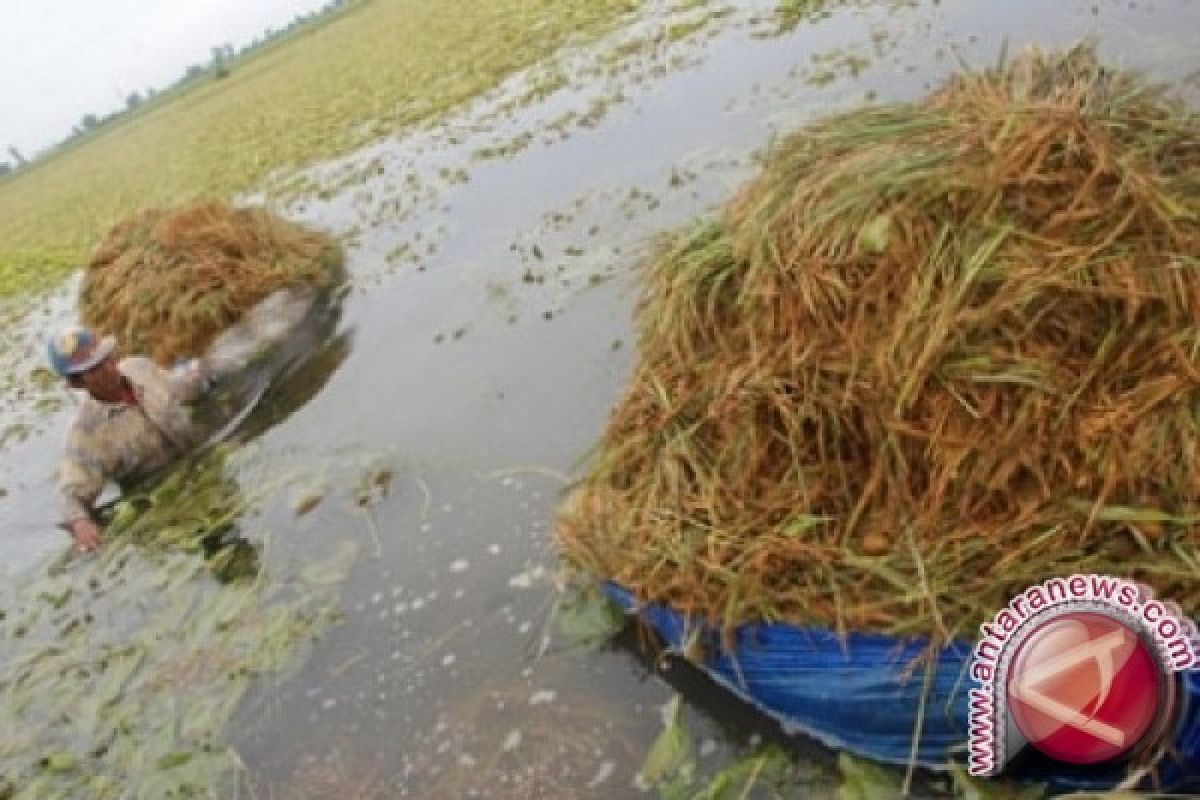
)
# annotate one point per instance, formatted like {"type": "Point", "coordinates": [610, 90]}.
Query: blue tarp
{"type": "Point", "coordinates": [863, 693]}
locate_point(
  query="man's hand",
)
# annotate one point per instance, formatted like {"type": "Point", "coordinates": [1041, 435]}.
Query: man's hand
{"type": "Point", "coordinates": [87, 533]}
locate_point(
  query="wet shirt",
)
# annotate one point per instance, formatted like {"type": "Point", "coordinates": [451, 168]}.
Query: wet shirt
{"type": "Point", "coordinates": [123, 442]}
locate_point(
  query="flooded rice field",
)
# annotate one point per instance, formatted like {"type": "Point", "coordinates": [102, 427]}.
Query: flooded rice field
{"type": "Point", "coordinates": [399, 631]}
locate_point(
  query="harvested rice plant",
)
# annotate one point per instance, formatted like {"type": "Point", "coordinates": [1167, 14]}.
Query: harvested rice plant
{"type": "Point", "coordinates": [932, 354]}
{"type": "Point", "coordinates": [167, 281]}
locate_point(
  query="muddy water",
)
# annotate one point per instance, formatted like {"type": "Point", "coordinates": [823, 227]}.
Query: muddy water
{"type": "Point", "coordinates": [495, 260]}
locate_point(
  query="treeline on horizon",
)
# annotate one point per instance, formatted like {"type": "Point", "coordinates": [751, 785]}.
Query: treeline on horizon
{"type": "Point", "coordinates": [219, 66]}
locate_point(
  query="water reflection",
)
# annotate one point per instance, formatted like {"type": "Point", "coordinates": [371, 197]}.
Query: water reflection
{"type": "Point", "coordinates": [245, 404]}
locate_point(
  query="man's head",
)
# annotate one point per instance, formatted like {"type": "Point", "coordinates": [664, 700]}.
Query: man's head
{"type": "Point", "coordinates": [87, 363]}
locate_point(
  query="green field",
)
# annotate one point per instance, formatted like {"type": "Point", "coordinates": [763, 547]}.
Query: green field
{"type": "Point", "coordinates": [367, 73]}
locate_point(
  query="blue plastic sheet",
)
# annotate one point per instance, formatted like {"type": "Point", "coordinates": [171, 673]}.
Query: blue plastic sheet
{"type": "Point", "coordinates": [863, 693]}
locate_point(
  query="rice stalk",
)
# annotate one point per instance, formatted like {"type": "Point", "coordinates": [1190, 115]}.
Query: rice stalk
{"type": "Point", "coordinates": [167, 281]}
{"type": "Point", "coordinates": [934, 353]}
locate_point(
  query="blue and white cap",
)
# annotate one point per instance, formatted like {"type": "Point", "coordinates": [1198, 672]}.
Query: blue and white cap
{"type": "Point", "coordinates": [76, 349]}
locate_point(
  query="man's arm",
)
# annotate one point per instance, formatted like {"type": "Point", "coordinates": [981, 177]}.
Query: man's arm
{"type": "Point", "coordinates": [87, 534]}
{"type": "Point", "coordinates": [161, 389]}
{"type": "Point", "coordinates": [80, 480]}
{"type": "Point", "coordinates": [164, 396]}
{"type": "Point", "coordinates": [187, 380]}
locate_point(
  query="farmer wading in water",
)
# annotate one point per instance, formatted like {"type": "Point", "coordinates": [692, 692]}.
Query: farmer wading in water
{"type": "Point", "coordinates": [134, 420]}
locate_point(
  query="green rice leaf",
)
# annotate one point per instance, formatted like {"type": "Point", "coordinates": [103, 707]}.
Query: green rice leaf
{"type": "Point", "coordinates": [863, 780]}
{"type": "Point", "coordinates": [671, 751]}
{"type": "Point", "coordinates": [874, 235]}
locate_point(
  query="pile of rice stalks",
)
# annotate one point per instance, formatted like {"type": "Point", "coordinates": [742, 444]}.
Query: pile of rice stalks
{"type": "Point", "coordinates": [166, 282]}
{"type": "Point", "coordinates": [935, 353]}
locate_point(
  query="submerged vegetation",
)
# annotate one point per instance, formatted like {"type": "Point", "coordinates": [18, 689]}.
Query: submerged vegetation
{"type": "Point", "coordinates": [790, 13]}
{"type": "Point", "coordinates": [120, 672]}
{"type": "Point", "coordinates": [329, 92]}
{"type": "Point", "coordinates": [672, 767]}
{"type": "Point", "coordinates": [166, 282]}
{"type": "Point", "coordinates": [934, 353]}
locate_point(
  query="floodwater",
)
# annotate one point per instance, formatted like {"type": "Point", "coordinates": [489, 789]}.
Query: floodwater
{"type": "Point", "coordinates": [487, 335]}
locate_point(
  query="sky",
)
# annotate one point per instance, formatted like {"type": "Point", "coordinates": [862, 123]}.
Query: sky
{"type": "Point", "coordinates": [61, 59]}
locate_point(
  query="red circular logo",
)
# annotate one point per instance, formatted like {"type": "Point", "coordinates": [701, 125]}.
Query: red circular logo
{"type": "Point", "coordinates": [1084, 688]}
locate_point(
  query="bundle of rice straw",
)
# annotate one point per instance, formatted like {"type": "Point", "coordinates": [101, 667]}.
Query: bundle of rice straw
{"type": "Point", "coordinates": [937, 352]}
{"type": "Point", "coordinates": [167, 281]}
